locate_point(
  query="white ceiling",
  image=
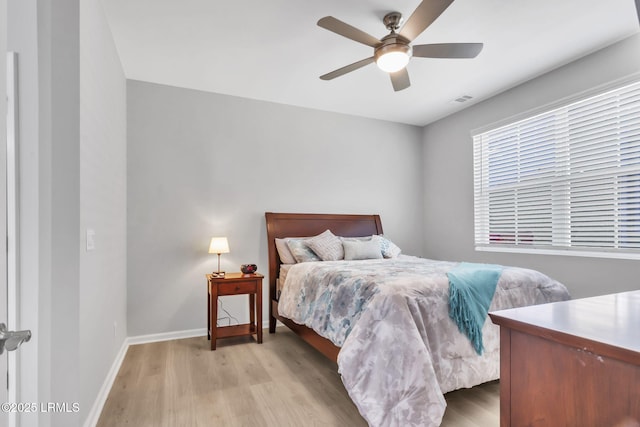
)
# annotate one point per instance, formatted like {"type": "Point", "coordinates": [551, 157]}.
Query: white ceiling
{"type": "Point", "coordinates": [274, 51]}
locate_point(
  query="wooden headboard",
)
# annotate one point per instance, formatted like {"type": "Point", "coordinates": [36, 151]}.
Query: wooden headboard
{"type": "Point", "coordinates": [281, 225]}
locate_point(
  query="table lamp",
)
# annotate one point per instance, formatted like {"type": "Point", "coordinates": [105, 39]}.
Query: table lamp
{"type": "Point", "coordinates": [218, 245]}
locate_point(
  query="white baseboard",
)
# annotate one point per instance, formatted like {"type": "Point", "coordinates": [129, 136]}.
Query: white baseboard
{"type": "Point", "coordinates": [167, 336]}
{"type": "Point", "coordinates": [96, 409]}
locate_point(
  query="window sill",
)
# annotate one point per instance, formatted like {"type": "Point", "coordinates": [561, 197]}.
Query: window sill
{"type": "Point", "coordinates": [564, 252]}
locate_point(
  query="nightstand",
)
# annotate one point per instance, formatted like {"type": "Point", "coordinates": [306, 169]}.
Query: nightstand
{"type": "Point", "coordinates": [234, 284]}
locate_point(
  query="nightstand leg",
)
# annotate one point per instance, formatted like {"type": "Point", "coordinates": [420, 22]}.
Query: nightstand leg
{"type": "Point", "coordinates": [213, 319]}
{"type": "Point", "coordinates": [259, 311]}
{"type": "Point", "coordinates": [252, 311]}
{"type": "Point", "coordinates": [208, 310]}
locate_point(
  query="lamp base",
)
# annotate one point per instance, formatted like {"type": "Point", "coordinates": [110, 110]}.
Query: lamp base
{"type": "Point", "coordinates": [217, 274]}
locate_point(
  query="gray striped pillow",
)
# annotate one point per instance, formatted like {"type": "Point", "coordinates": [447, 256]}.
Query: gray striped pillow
{"type": "Point", "coordinates": [327, 246]}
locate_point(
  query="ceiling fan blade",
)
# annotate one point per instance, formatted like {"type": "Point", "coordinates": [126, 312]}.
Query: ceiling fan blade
{"type": "Point", "coordinates": [400, 79]}
{"type": "Point", "coordinates": [345, 30]}
{"type": "Point", "coordinates": [447, 50]}
{"type": "Point", "coordinates": [427, 12]}
{"type": "Point", "coordinates": [347, 69]}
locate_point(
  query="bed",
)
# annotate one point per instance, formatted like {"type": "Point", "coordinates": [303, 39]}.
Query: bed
{"type": "Point", "coordinates": [397, 349]}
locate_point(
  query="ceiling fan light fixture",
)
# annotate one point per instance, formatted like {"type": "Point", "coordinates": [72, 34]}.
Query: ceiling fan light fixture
{"type": "Point", "coordinates": [393, 57]}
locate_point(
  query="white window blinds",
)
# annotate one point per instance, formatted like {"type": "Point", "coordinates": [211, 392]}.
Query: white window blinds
{"type": "Point", "coordinates": [564, 179]}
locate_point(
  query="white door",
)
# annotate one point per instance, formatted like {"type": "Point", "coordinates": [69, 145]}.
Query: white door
{"type": "Point", "coordinates": [9, 340]}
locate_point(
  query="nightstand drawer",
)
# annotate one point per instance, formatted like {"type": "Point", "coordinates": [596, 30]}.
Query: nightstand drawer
{"type": "Point", "coordinates": [234, 288]}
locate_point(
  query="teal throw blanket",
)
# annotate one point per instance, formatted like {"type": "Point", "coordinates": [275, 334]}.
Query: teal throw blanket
{"type": "Point", "coordinates": [471, 289]}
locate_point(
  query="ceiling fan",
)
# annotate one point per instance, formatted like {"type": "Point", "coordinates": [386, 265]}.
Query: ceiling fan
{"type": "Point", "coordinates": [393, 51]}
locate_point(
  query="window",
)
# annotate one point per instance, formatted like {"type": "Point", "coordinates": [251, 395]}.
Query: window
{"type": "Point", "coordinates": [566, 179]}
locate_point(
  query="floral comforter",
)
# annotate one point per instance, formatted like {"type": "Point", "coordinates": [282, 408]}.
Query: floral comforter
{"type": "Point", "coordinates": [400, 351]}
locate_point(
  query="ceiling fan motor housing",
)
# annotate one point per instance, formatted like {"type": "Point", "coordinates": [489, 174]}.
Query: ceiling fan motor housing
{"type": "Point", "coordinates": [393, 43]}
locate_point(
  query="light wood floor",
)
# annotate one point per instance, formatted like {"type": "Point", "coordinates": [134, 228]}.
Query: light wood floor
{"type": "Point", "coordinates": [282, 382]}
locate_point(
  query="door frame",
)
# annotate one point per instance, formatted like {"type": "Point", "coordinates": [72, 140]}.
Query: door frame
{"type": "Point", "coordinates": [12, 215]}
{"type": "Point", "coordinates": [5, 418]}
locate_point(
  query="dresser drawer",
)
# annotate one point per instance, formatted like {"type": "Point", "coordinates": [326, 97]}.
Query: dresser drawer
{"type": "Point", "coordinates": [240, 287]}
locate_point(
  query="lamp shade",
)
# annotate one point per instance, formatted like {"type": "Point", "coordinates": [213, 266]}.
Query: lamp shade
{"type": "Point", "coordinates": [219, 245]}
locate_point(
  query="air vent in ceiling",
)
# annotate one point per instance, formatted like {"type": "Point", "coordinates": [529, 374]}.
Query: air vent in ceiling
{"type": "Point", "coordinates": [463, 98]}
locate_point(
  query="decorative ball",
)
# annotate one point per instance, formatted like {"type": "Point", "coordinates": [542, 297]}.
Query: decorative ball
{"type": "Point", "coordinates": [248, 268]}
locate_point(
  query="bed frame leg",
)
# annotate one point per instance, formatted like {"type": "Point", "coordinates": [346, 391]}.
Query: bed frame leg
{"type": "Point", "coordinates": [272, 324]}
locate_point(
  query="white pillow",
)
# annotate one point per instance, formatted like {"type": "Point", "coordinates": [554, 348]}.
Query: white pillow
{"type": "Point", "coordinates": [361, 249]}
{"type": "Point", "coordinates": [286, 257]}
{"type": "Point", "coordinates": [388, 248]}
{"type": "Point", "coordinates": [327, 246]}
{"type": "Point", "coordinates": [300, 251]}
{"type": "Point", "coordinates": [356, 239]}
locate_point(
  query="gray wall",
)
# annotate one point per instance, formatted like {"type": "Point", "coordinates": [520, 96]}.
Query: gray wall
{"type": "Point", "coordinates": [448, 176]}
{"type": "Point", "coordinates": [203, 165]}
{"type": "Point", "coordinates": [63, 127]}
{"type": "Point", "coordinates": [103, 197]}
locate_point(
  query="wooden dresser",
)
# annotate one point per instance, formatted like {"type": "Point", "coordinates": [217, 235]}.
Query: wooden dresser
{"type": "Point", "coordinates": [571, 363]}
